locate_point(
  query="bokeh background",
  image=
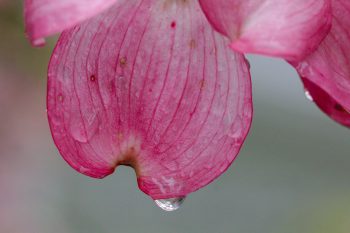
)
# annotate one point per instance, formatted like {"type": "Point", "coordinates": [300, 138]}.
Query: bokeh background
{"type": "Point", "coordinates": [292, 175]}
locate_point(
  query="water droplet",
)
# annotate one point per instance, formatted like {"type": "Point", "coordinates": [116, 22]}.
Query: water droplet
{"type": "Point", "coordinates": [308, 96]}
{"type": "Point", "coordinates": [170, 204]}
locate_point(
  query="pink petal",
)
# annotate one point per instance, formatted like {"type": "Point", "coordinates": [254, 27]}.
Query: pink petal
{"type": "Point", "coordinates": [149, 84]}
{"type": "Point", "coordinates": [290, 29]}
{"type": "Point", "coordinates": [47, 17]}
{"type": "Point", "coordinates": [326, 72]}
{"type": "Point", "coordinates": [326, 102]}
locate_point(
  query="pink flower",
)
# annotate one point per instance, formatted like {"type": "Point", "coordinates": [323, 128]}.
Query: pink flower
{"type": "Point", "coordinates": [154, 85]}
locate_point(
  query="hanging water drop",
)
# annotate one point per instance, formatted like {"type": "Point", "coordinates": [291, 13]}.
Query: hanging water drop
{"type": "Point", "coordinates": [170, 204]}
{"type": "Point", "coordinates": [308, 96]}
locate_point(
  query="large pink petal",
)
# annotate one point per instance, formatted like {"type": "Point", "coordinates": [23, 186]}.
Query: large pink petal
{"type": "Point", "coordinates": [326, 72]}
{"type": "Point", "coordinates": [290, 29]}
{"type": "Point", "coordinates": [47, 17]}
{"type": "Point", "coordinates": [149, 84]}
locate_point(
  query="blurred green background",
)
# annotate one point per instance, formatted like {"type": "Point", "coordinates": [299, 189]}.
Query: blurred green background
{"type": "Point", "coordinates": [292, 175]}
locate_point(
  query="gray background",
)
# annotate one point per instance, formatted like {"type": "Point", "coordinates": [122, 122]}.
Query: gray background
{"type": "Point", "coordinates": [292, 176]}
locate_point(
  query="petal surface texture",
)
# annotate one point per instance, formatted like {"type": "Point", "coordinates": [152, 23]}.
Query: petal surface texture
{"type": "Point", "coordinates": [281, 28]}
{"type": "Point", "coordinates": [326, 72]}
{"type": "Point", "coordinates": [151, 85]}
{"type": "Point", "coordinates": [47, 17]}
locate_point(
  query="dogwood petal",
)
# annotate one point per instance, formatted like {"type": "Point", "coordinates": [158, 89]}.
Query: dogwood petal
{"type": "Point", "coordinates": [149, 84]}
{"type": "Point", "coordinates": [47, 17]}
{"type": "Point", "coordinates": [326, 72]}
{"type": "Point", "coordinates": [326, 102]}
{"type": "Point", "coordinates": [281, 28]}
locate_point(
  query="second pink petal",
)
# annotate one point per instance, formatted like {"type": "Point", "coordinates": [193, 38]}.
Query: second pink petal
{"type": "Point", "coordinates": [281, 28]}
{"type": "Point", "coordinates": [326, 72]}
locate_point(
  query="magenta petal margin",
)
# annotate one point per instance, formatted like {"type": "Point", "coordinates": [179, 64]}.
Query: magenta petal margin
{"type": "Point", "coordinates": [326, 72]}
{"type": "Point", "coordinates": [44, 18]}
{"type": "Point", "coordinates": [290, 29]}
{"type": "Point", "coordinates": [149, 84]}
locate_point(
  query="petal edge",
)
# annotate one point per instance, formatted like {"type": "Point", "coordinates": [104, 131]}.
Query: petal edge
{"type": "Point", "coordinates": [44, 18]}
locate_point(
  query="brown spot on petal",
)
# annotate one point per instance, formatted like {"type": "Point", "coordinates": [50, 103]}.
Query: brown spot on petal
{"type": "Point", "coordinates": [123, 62]}
{"type": "Point", "coordinates": [202, 84]}
{"type": "Point", "coordinates": [193, 44]}
{"type": "Point", "coordinates": [169, 3]}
